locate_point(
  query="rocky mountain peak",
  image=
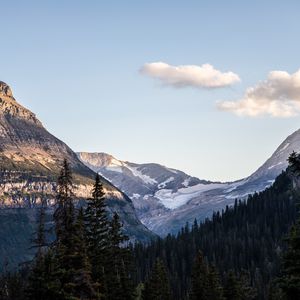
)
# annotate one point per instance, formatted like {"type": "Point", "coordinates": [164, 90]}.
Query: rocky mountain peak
{"type": "Point", "coordinates": [97, 159]}
{"type": "Point", "coordinates": [5, 90]}
{"type": "Point", "coordinates": [9, 107]}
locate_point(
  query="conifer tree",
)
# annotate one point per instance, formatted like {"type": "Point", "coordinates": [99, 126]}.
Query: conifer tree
{"type": "Point", "coordinates": [41, 282]}
{"type": "Point", "coordinates": [72, 268]}
{"type": "Point", "coordinates": [97, 227]}
{"type": "Point", "coordinates": [290, 280]}
{"type": "Point", "coordinates": [119, 282]}
{"type": "Point", "coordinates": [84, 288]}
{"type": "Point", "coordinates": [232, 288]}
{"type": "Point", "coordinates": [199, 279]}
{"type": "Point", "coordinates": [157, 286]}
{"type": "Point", "coordinates": [215, 290]}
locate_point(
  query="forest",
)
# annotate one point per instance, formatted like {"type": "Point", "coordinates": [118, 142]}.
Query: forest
{"type": "Point", "coordinates": [248, 251]}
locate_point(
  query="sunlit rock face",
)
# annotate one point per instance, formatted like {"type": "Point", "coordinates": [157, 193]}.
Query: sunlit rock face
{"type": "Point", "coordinates": [5, 89]}
{"type": "Point", "coordinates": [30, 161]}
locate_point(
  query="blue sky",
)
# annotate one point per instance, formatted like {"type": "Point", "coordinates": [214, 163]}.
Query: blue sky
{"type": "Point", "coordinates": [76, 65]}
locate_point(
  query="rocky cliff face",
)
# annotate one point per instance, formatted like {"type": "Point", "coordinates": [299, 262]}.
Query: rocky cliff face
{"type": "Point", "coordinates": [30, 160]}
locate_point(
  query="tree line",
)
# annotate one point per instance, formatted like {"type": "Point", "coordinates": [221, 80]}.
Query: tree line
{"type": "Point", "coordinates": [248, 251]}
{"type": "Point", "coordinates": [240, 253]}
{"type": "Point", "coordinates": [88, 258]}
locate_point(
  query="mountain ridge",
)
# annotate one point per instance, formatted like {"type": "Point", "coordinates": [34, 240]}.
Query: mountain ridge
{"type": "Point", "coordinates": [167, 208]}
{"type": "Point", "coordinates": [30, 162]}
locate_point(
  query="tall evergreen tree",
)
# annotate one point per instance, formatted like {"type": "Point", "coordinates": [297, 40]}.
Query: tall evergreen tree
{"type": "Point", "coordinates": [157, 286]}
{"type": "Point", "coordinates": [119, 282]}
{"type": "Point", "coordinates": [84, 288]}
{"type": "Point", "coordinates": [72, 268]}
{"type": "Point", "coordinates": [215, 289]}
{"type": "Point", "coordinates": [97, 227]}
{"type": "Point", "coordinates": [232, 288]}
{"type": "Point", "coordinates": [41, 282]}
{"type": "Point", "coordinates": [290, 280]}
{"type": "Point", "coordinates": [199, 280]}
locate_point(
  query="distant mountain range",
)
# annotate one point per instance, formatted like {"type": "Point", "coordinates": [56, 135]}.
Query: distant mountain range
{"type": "Point", "coordinates": [30, 160]}
{"type": "Point", "coordinates": [144, 195]}
{"type": "Point", "coordinates": [165, 199]}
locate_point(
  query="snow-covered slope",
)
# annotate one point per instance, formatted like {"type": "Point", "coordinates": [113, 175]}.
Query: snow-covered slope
{"type": "Point", "coordinates": [165, 199]}
{"type": "Point", "coordinates": [153, 188]}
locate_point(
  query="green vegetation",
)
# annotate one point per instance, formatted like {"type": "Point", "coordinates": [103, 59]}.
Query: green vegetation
{"type": "Point", "coordinates": [248, 251]}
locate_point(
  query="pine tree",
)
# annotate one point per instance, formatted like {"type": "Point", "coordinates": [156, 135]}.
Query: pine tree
{"type": "Point", "coordinates": [199, 280]}
{"type": "Point", "coordinates": [83, 286]}
{"type": "Point", "coordinates": [215, 290]}
{"type": "Point", "coordinates": [71, 265]}
{"type": "Point", "coordinates": [248, 292]}
{"type": "Point", "coordinates": [290, 280]}
{"type": "Point", "coordinates": [232, 288]}
{"type": "Point", "coordinates": [119, 282]}
{"type": "Point", "coordinates": [41, 282]}
{"type": "Point", "coordinates": [157, 286]}
{"type": "Point", "coordinates": [97, 227]}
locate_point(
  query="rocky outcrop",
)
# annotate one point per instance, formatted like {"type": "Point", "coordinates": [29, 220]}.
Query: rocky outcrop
{"type": "Point", "coordinates": [30, 160]}
{"type": "Point", "coordinates": [5, 90]}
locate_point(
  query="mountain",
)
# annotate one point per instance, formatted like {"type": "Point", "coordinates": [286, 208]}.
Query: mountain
{"type": "Point", "coordinates": [30, 159]}
{"type": "Point", "coordinates": [165, 199]}
{"type": "Point", "coordinates": [153, 188]}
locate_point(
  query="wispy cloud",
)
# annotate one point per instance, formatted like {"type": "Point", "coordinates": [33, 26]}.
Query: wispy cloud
{"type": "Point", "coordinates": [277, 96]}
{"type": "Point", "coordinates": [204, 76]}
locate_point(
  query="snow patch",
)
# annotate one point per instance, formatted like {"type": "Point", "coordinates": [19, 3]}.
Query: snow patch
{"type": "Point", "coordinates": [174, 200]}
{"type": "Point", "coordinates": [113, 168]}
{"type": "Point", "coordinates": [271, 167]}
{"type": "Point", "coordinates": [137, 173]}
{"type": "Point", "coordinates": [284, 147]}
{"type": "Point", "coordinates": [135, 196]}
{"type": "Point", "coordinates": [172, 170]}
{"type": "Point", "coordinates": [163, 184]}
{"type": "Point", "coordinates": [186, 182]}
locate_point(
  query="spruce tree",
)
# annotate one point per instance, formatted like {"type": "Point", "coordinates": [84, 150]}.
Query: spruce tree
{"type": "Point", "coordinates": [71, 265]}
{"type": "Point", "coordinates": [199, 279]}
{"type": "Point", "coordinates": [290, 280]}
{"type": "Point", "coordinates": [232, 288]}
{"type": "Point", "coordinates": [84, 288]}
{"type": "Point", "coordinates": [97, 227]}
{"type": "Point", "coordinates": [157, 286]}
{"type": "Point", "coordinates": [215, 290]}
{"type": "Point", "coordinates": [41, 282]}
{"type": "Point", "coordinates": [119, 282]}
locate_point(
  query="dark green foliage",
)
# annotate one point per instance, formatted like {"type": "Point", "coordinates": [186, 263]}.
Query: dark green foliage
{"type": "Point", "coordinates": [232, 287]}
{"type": "Point", "coordinates": [11, 286]}
{"type": "Point", "coordinates": [96, 227]}
{"type": "Point", "coordinates": [157, 286]}
{"type": "Point", "coordinates": [290, 279]}
{"type": "Point", "coordinates": [119, 282]}
{"type": "Point", "coordinates": [199, 279]}
{"type": "Point", "coordinates": [205, 281]}
{"type": "Point", "coordinates": [72, 268]}
{"type": "Point", "coordinates": [215, 289]}
{"type": "Point", "coordinates": [247, 236]}
{"type": "Point", "coordinates": [41, 283]}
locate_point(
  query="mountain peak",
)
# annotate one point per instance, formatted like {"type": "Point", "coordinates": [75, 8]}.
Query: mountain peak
{"type": "Point", "coordinates": [5, 90]}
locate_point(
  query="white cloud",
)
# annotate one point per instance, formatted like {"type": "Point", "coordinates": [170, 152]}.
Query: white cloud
{"type": "Point", "coordinates": [205, 76]}
{"type": "Point", "coordinates": [277, 96]}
